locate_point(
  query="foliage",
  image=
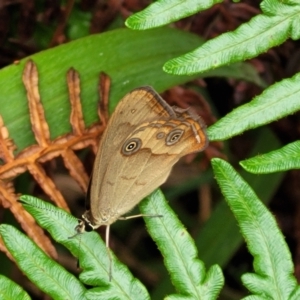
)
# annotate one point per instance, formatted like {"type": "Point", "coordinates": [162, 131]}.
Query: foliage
{"type": "Point", "coordinates": [272, 277]}
{"type": "Point", "coordinates": [276, 24]}
{"type": "Point", "coordinates": [10, 290]}
{"type": "Point", "coordinates": [93, 256]}
{"type": "Point", "coordinates": [109, 52]}
{"type": "Point", "coordinates": [273, 266]}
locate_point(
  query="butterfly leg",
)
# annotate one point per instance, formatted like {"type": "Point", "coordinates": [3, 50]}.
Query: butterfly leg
{"type": "Point", "coordinates": [108, 252]}
{"type": "Point", "coordinates": [140, 215]}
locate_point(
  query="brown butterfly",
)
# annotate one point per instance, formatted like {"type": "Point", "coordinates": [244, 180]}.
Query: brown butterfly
{"type": "Point", "coordinates": [144, 138]}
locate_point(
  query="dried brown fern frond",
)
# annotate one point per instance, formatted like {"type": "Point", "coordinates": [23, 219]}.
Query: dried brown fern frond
{"type": "Point", "coordinates": [31, 158]}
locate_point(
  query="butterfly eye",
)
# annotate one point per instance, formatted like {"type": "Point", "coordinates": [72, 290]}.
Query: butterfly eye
{"type": "Point", "coordinates": [131, 146]}
{"type": "Point", "coordinates": [89, 228]}
{"type": "Point", "coordinates": [174, 136]}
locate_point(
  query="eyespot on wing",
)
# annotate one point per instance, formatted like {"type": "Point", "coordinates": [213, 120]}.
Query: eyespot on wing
{"type": "Point", "coordinates": [131, 146]}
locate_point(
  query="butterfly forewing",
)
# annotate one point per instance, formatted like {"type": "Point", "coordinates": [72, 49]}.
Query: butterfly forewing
{"type": "Point", "coordinates": [144, 138]}
{"type": "Point", "coordinates": [110, 168]}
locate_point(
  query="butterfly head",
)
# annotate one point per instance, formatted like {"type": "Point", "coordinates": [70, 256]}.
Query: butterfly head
{"type": "Point", "coordinates": [84, 226]}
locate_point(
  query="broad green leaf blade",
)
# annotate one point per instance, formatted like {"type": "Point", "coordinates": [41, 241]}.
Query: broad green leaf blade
{"type": "Point", "coordinates": [9, 290]}
{"type": "Point", "coordinates": [275, 102]}
{"type": "Point", "coordinates": [163, 12]}
{"type": "Point", "coordinates": [286, 158]}
{"type": "Point", "coordinates": [187, 272]}
{"type": "Point", "coordinates": [247, 41]}
{"type": "Point", "coordinates": [272, 259]}
{"type": "Point", "coordinates": [118, 53]}
{"type": "Point", "coordinates": [90, 250]}
{"type": "Point", "coordinates": [48, 275]}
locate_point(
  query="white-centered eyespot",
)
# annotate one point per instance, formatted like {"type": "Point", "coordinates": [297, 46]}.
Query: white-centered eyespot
{"type": "Point", "coordinates": [131, 146]}
{"type": "Point", "coordinates": [174, 136]}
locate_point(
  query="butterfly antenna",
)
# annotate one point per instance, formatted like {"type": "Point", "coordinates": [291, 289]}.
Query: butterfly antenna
{"type": "Point", "coordinates": [108, 252]}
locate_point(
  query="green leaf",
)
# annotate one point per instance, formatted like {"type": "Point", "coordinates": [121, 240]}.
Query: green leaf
{"type": "Point", "coordinates": [261, 33]}
{"type": "Point", "coordinates": [221, 226]}
{"type": "Point", "coordinates": [286, 158]}
{"type": "Point", "coordinates": [163, 12]}
{"type": "Point", "coordinates": [187, 272]}
{"type": "Point", "coordinates": [48, 275]}
{"type": "Point", "coordinates": [9, 290]}
{"type": "Point", "coordinates": [118, 53]}
{"type": "Point", "coordinates": [90, 250]}
{"type": "Point", "coordinates": [273, 265]}
{"type": "Point", "coordinates": [275, 102]}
